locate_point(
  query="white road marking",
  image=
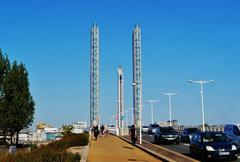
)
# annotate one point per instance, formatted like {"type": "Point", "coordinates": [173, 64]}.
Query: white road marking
{"type": "Point", "coordinates": [186, 144]}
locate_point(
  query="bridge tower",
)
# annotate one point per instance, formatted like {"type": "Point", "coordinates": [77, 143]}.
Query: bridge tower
{"type": "Point", "coordinates": [137, 75]}
{"type": "Point", "coordinates": [94, 75]}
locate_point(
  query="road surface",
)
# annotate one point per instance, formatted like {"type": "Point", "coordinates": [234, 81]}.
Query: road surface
{"type": "Point", "coordinates": [182, 148]}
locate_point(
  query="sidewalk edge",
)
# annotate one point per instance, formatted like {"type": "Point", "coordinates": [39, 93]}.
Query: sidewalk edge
{"type": "Point", "coordinates": [85, 151]}
{"type": "Point", "coordinates": [156, 155]}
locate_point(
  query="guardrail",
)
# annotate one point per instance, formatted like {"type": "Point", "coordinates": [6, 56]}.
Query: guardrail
{"type": "Point", "coordinates": [219, 128]}
{"type": "Point", "coordinates": [160, 152]}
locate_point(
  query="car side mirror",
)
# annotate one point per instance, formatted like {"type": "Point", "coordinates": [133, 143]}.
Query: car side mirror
{"type": "Point", "coordinates": [237, 133]}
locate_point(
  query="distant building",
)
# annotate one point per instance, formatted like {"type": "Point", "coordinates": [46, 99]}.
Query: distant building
{"type": "Point", "coordinates": [23, 136]}
{"type": "Point", "coordinates": [41, 125]}
{"type": "Point", "coordinates": [38, 136]}
{"type": "Point", "coordinates": [51, 130]}
{"type": "Point", "coordinates": [43, 133]}
{"type": "Point", "coordinates": [167, 123]}
{"type": "Point", "coordinates": [79, 127]}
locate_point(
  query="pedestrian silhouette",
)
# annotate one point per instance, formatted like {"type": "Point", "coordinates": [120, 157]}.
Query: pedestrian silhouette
{"type": "Point", "coordinates": [102, 129]}
{"type": "Point", "coordinates": [133, 134]}
{"type": "Point", "coordinates": [96, 132]}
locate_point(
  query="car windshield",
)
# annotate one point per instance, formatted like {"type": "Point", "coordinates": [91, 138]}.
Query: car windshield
{"type": "Point", "coordinates": [214, 137]}
{"type": "Point", "coordinates": [167, 130]}
{"type": "Point", "coordinates": [155, 125]}
{"type": "Point", "coordinates": [193, 130]}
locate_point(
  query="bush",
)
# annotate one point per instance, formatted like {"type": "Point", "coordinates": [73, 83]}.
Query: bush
{"type": "Point", "coordinates": [33, 147]}
{"type": "Point", "coordinates": [54, 152]}
{"type": "Point", "coordinates": [73, 158]}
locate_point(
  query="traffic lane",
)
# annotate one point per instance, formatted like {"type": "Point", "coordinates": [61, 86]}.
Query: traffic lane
{"type": "Point", "coordinates": [182, 148]}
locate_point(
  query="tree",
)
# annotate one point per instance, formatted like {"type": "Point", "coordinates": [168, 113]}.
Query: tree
{"type": "Point", "coordinates": [18, 100]}
{"type": "Point", "coordinates": [67, 129]}
{"type": "Point", "coordinates": [4, 69]}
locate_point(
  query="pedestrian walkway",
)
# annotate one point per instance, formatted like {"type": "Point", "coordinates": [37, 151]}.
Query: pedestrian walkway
{"type": "Point", "coordinates": [112, 149]}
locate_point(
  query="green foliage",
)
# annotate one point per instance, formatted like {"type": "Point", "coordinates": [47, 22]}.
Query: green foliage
{"type": "Point", "coordinates": [54, 152]}
{"type": "Point", "coordinates": [73, 158]}
{"type": "Point", "coordinates": [16, 102]}
{"type": "Point", "coordinates": [67, 129]}
{"type": "Point", "coordinates": [77, 140]}
{"type": "Point", "coordinates": [4, 70]}
{"type": "Point", "coordinates": [33, 147]}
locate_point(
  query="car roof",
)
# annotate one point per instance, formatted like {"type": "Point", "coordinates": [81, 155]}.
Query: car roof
{"type": "Point", "coordinates": [210, 132]}
{"type": "Point", "coordinates": [153, 125]}
{"type": "Point", "coordinates": [238, 125]}
{"type": "Point", "coordinates": [190, 128]}
{"type": "Point", "coordinates": [165, 127]}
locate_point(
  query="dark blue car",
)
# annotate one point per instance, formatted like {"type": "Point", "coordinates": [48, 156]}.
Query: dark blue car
{"type": "Point", "coordinates": [166, 134]}
{"type": "Point", "coordinates": [212, 145]}
{"type": "Point", "coordinates": [187, 134]}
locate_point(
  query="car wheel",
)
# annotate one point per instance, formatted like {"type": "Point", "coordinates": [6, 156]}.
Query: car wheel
{"type": "Point", "coordinates": [160, 141]}
{"type": "Point", "coordinates": [203, 157]}
{"type": "Point", "coordinates": [234, 158]}
{"type": "Point", "coordinates": [155, 140]}
{"type": "Point", "coordinates": [190, 150]}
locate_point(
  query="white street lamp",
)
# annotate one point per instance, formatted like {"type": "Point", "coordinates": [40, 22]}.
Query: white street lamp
{"type": "Point", "coordinates": [152, 102]}
{"type": "Point", "coordinates": [201, 82]}
{"type": "Point", "coordinates": [140, 112]}
{"type": "Point", "coordinates": [126, 119]}
{"type": "Point", "coordinates": [170, 105]}
{"type": "Point", "coordinates": [131, 108]}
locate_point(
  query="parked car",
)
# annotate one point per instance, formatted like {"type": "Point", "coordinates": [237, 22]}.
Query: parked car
{"type": "Point", "coordinates": [233, 132]}
{"type": "Point", "coordinates": [187, 134]}
{"type": "Point", "coordinates": [152, 128]}
{"type": "Point", "coordinates": [145, 129]}
{"type": "Point", "coordinates": [3, 141]}
{"type": "Point", "coordinates": [166, 134]}
{"type": "Point", "coordinates": [212, 145]}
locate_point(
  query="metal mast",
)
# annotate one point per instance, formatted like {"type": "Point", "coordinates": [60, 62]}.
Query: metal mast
{"type": "Point", "coordinates": [94, 75]}
{"type": "Point", "coordinates": [120, 100]}
{"type": "Point", "coordinates": [137, 75]}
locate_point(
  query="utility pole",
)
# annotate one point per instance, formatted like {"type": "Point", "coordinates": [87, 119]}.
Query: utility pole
{"type": "Point", "coordinates": [170, 104]}
{"type": "Point", "coordinates": [201, 82]}
{"type": "Point", "coordinates": [152, 102]}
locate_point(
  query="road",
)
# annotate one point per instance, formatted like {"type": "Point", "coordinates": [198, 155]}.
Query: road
{"type": "Point", "coordinates": [182, 148]}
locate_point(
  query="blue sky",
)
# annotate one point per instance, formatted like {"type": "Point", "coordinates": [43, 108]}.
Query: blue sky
{"type": "Point", "coordinates": [181, 40]}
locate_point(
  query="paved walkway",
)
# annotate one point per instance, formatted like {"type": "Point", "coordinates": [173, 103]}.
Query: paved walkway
{"type": "Point", "coordinates": [113, 149]}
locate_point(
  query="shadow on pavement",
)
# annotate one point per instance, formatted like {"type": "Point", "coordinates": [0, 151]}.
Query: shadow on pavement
{"type": "Point", "coordinates": [128, 147]}
{"type": "Point", "coordinates": [137, 160]}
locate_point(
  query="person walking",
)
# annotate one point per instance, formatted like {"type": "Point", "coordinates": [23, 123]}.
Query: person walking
{"type": "Point", "coordinates": [133, 134]}
{"type": "Point", "coordinates": [96, 132]}
{"type": "Point", "coordinates": [102, 129]}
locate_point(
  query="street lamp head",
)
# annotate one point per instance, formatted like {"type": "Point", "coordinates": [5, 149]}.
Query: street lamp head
{"type": "Point", "coordinates": [169, 94]}
{"type": "Point", "coordinates": [200, 81]}
{"type": "Point", "coordinates": [152, 100]}
{"type": "Point", "coordinates": [162, 93]}
{"type": "Point", "coordinates": [133, 84]}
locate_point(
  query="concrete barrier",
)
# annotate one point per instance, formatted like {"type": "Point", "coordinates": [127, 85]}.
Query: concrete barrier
{"type": "Point", "coordinates": [164, 155]}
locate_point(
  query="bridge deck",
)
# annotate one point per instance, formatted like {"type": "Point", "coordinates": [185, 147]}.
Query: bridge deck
{"type": "Point", "coordinates": [113, 149]}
